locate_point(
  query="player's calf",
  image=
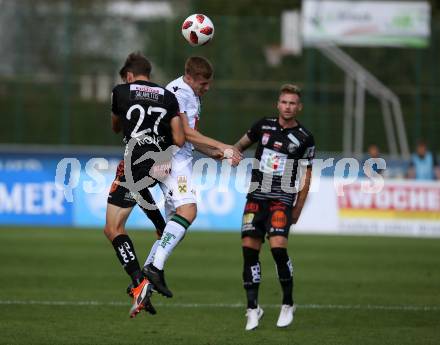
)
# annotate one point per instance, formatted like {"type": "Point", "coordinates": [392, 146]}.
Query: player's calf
{"type": "Point", "coordinates": [251, 276]}
{"type": "Point", "coordinates": [285, 273]}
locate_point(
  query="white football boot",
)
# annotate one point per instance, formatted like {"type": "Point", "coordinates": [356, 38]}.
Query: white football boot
{"type": "Point", "coordinates": [253, 318]}
{"type": "Point", "coordinates": [286, 315]}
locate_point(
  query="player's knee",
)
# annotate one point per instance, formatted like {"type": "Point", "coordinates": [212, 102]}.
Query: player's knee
{"type": "Point", "coordinates": [108, 232]}
{"type": "Point", "coordinates": [250, 255]}
{"type": "Point", "coordinates": [283, 263]}
{"type": "Point", "coordinates": [278, 242]}
{"type": "Point", "coordinates": [251, 242]}
{"type": "Point", "coordinates": [111, 231]}
{"type": "Point", "coordinates": [188, 211]}
{"type": "Point", "coordinates": [280, 255]}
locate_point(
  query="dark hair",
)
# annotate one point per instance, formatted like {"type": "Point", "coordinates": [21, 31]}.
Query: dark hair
{"type": "Point", "coordinates": [197, 66]}
{"type": "Point", "coordinates": [291, 88]}
{"type": "Point", "coordinates": [137, 64]}
{"type": "Point", "coordinates": [123, 72]}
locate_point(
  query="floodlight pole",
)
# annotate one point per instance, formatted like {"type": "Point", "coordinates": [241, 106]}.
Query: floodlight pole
{"type": "Point", "coordinates": [348, 118]}
{"type": "Point", "coordinates": [359, 115]}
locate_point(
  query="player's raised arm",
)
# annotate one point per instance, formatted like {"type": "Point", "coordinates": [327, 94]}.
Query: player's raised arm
{"type": "Point", "coordinates": [177, 131]}
{"type": "Point", "coordinates": [244, 143]}
{"type": "Point", "coordinates": [209, 146]}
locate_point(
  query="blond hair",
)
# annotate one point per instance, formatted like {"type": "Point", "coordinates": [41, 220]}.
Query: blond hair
{"type": "Point", "coordinates": [291, 88]}
{"type": "Point", "coordinates": [198, 66]}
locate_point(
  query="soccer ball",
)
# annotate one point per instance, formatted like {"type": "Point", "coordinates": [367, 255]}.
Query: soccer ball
{"type": "Point", "coordinates": [198, 29]}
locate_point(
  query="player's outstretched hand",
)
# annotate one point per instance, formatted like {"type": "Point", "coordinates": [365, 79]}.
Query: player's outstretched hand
{"type": "Point", "coordinates": [232, 154]}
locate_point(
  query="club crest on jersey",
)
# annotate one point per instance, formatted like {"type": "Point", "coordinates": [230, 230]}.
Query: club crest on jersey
{"type": "Point", "coordinates": [182, 185]}
{"type": "Point", "coordinates": [265, 138]}
{"type": "Point", "coordinates": [291, 148]}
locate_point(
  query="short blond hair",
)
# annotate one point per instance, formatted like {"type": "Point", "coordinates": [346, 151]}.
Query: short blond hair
{"type": "Point", "coordinates": [291, 88]}
{"type": "Point", "coordinates": [198, 66]}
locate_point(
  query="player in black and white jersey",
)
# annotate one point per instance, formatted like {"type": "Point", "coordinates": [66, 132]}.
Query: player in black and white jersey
{"type": "Point", "coordinates": [284, 146]}
{"type": "Point", "coordinates": [180, 192]}
{"type": "Point", "coordinates": [147, 114]}
{"type": "Point", "coordinates": [121, 198]}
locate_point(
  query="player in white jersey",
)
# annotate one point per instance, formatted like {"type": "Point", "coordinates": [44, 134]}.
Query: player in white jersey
{"type": "Point", "coordinates": [180, 195]}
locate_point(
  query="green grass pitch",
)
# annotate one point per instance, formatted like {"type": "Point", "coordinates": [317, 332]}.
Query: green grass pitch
{"type": "Point", "coordinates": [65, 286]}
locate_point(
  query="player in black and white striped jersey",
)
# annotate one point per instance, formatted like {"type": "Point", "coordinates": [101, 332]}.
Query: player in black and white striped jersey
{"type": "Point", "coordinates": [284, 146]}
{"type": "Point", "coordinates": [148, 116]}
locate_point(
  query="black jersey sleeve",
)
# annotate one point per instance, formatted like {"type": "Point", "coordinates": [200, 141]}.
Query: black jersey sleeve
{"type": "Point", "coordinates": [115, 107]}
{"type": "Point", "coordinates": [254, 133]}
{"type": "Point", "coordinates": [173, 108]}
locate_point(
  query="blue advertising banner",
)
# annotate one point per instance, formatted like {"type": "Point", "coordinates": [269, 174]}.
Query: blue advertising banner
{"type": "Point", "coordinates": [217, 208]}
{"type": "Point", "coordinates": [28, 195]}
{"type": "Point", "coordinates": [33, 192]}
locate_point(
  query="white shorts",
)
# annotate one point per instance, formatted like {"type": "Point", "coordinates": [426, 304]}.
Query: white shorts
{"type": "Point", "coordinates": [178, 188]}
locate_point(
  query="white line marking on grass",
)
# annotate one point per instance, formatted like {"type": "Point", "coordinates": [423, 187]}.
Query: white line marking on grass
{"type": "Point", "coordinates": [228, 305]}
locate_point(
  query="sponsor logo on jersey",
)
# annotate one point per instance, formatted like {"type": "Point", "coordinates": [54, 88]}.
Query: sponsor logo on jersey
{"type": "Point", "coordinates": [247, 227]}
{"type": "Point", "coordinates": [277, 145]}
{"type": "Point", "coordinates": [114, 186]}
{"type": "Point", "coordinates": [272, 162]}
{"type": "Point", "coordinates": [272, 230]}
{"type": "Point", "coordinates": [278, 220]}
{"type": "Point", "coordinates": [150, 139]}
{"type": "Point", "coordinates": [129, 196]}
{"type": "Point", "coordinates": [182, 184]}
{"type": "Point", "coordinates": [248, 218]}
{"type": "Point", "coordinates": [146, 88]}
{"type": "Point", "coordinates": [251, 207]}
{"type": "Point", "coordinates": [145, 92]}
{"type": "Point", "coordinates": [270, 128]}
{"type": "Point", "coordinates": [265, 138]}
{"type": "Point", "coordinates": [274, 206]}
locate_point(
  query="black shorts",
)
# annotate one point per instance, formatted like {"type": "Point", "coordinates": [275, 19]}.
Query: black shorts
{"type": "Point", "coordinates": [266, 217]}
{"type": "Point", "coordinates": [121, 196]}
{"type": "Point", "coordinates": [118, 195]}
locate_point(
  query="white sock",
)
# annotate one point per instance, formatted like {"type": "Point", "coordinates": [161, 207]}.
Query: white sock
{"type": "Point", "coordinates": [150, 257]}
{"type": "Point", "coordinates": [171, 236]}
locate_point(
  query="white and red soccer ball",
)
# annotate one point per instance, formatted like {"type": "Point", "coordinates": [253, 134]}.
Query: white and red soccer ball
{"type": "Point", "coordinates": [198, 29]}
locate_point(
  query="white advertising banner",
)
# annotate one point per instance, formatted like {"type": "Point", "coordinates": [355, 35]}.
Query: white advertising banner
{"type": "Point", "coordinates": [400, 208]}
{"type": "Point", "coordinates": [366, 23]}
